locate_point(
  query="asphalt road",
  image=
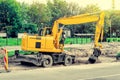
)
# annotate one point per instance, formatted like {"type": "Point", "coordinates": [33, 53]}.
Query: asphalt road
{"type": "Point", "coordinates": [102, 71]}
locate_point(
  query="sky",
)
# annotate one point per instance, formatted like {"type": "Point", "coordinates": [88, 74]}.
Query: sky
{"type": "Point", "coordinates": [103, 4]}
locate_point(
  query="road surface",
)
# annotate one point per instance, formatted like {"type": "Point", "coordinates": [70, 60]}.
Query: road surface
{"type": "Point", "coordinates": [102, 71]}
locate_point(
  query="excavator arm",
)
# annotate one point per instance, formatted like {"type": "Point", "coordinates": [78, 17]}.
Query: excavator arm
{"type": "Point", "coordinates": [98, 36]}
{"type": "Point", "coordinates": [81, 19]}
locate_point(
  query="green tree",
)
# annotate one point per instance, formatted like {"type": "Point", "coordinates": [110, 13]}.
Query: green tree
{"type": "Point", "coordinates": [74, 9]}
{"type": "Point", "coordinates": [39, 13]}
{"type": "Point", "coordinates": [24, 10]}
{"type": "Point", "coordinates": [92, 8]}
{"type": "Point", "coordinates": [58, 8]}
{"type": "Point", "coordinates": [115, 23]}
{"type": "Point", "coordinates": [89, 27]}
{"type": "Point", "coordinates": [112, 23]}
{"type": "Point", "coordinates": [107, 23]}
{"type": "Point", "coordinates": [10, 16]}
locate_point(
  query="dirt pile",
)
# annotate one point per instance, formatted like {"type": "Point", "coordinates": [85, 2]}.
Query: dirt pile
{"type": "Point", "coordinates": [85, 50]}
{"type": "Point", "coordinates": [111, 48]}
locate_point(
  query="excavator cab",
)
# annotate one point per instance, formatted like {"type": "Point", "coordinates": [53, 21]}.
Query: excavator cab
{"type": "Point", "coordinates": [45, 31]}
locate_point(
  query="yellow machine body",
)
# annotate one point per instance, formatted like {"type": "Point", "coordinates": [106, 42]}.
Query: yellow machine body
{"type": "Point", "coordinates": [39, 43]}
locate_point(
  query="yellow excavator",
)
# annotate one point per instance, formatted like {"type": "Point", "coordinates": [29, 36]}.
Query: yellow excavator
{"type": "Point", "coordinates": [47, 48]}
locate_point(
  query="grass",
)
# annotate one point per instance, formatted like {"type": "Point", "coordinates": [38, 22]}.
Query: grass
{"type": "Point", "coordinates": [12, 53]}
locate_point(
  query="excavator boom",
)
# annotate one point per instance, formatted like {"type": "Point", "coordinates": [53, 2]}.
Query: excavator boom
{"type": "Point", "coordinates": [81, 19]}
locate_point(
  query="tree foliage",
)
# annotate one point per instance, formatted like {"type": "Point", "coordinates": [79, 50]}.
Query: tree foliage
{"type": "Point", "coordinates": [10, 15]}
{"type": "Point", "coordinates": [57, 8]}
{"type": "Point", "coordinates": [39, 13]}
{"type": "Point", "coordinates": [20, 17]}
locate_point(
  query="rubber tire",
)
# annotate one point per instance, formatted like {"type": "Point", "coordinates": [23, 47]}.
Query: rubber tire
{"type": "Point", "coordinates": [67, 58]}
{"type": "Point", "coordinates": [48, 61]}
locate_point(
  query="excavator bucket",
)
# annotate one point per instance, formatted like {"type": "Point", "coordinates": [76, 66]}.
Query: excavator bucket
{"type": "Point", "coordinates": [94, 57]}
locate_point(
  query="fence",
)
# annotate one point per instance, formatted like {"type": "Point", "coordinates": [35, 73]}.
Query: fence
{"type": "Point", "coordinates": [113, 39]}
{"type": "Point", "coordinates": [10, 41]}
{"type": "Point", "coordinates": [17, 41]}
{"type": "Point", "coordinates": [78, 40]}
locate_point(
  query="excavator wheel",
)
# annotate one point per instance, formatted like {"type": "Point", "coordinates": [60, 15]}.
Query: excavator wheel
{"type": "Point", "coordinates": [68, 60]}
{"type": "Point", "coordinates": [48, 61]}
